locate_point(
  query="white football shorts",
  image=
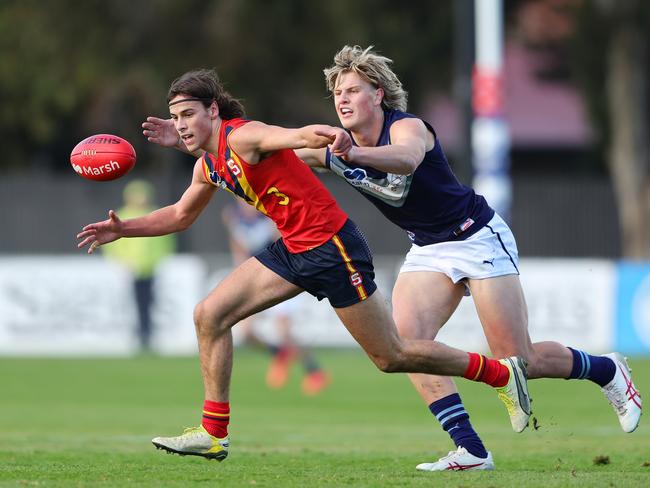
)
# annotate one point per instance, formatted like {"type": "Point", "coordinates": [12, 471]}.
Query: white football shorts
{"type": "Point", "coordinates": [490, 252]}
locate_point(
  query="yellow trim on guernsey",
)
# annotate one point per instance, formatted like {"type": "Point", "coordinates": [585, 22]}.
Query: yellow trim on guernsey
{"type": "Point", "coordinates": [248, 190]}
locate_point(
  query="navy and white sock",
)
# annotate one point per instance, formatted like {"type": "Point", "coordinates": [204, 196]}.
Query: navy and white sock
{"type": "Point", "coordinates": [599, 369]}
{"type": "Point", "coordinates": [453, 418]}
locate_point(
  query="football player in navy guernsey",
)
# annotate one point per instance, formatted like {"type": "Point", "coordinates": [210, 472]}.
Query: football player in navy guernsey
{"type": "Point", "coordinates": [459, 246]}
{"type": "Point", "coordinates": [321, 251]}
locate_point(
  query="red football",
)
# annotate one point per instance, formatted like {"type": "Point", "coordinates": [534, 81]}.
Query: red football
{"type": "Point", "coordinates": [103, 157]}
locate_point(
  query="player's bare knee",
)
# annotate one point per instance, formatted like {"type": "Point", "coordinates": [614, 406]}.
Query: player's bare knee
{"type": "Point", "coordinates": [200, 318]}
{"type": "Point", "coordinates": [383, 364]}
{"type": "Point", "coordinates": [389, 363]}
{"type": "Point", "coordinates": [207, 322]}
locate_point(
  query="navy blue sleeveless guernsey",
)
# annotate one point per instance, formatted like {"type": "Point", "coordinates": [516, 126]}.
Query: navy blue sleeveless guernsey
{"type": "Point", "coordinates": [431, 205]}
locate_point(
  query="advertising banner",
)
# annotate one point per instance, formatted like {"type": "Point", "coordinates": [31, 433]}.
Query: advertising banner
{"type": "Point", "coordinates": [633, 308]}
{"type": "Point", "coordinates": [79, 305]}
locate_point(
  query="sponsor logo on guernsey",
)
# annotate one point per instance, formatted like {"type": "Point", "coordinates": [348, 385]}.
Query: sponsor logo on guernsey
{"type": "Point", "coordinates": [463, 227]}
{"type": "Point", "coordinates": [466, 225]}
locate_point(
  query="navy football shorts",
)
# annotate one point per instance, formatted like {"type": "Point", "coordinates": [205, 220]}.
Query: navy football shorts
{"type": "Point", "coordinates": [340, 270]}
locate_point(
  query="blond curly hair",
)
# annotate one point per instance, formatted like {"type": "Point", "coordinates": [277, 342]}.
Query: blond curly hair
{"type": "Point", "coordinates": [371, 67]}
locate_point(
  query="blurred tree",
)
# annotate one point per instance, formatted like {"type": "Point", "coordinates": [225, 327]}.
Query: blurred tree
{"type": "Point", "coordinates": [281, 49]}
{"type": "Point", "coordinates": [72, 68]}
{"type": "Point", "coordinates": [603, 44]}
{"type": "Point", "coordinates": [611, 58]}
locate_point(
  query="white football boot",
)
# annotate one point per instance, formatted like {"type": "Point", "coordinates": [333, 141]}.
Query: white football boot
{"type": "Point", "coordinates": [515, 393]}
{"type": "Point", "coordinates": [459, 460]}
{"type": "Point", "coordinates": [195, 441]}
{"type": "Point", "coordinates": [622, 394]}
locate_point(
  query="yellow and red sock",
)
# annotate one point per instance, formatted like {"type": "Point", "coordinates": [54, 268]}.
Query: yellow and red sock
{"type": "Point", "coordinates": [216, 416]}
{"type": "Point", "coordinates": [489, 371]}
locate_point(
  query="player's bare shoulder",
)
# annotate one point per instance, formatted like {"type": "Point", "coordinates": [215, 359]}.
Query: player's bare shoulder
{"type": "Point", "coordinates": [412, 128]}
{"type": "Point", "coordinates": [246, 140]}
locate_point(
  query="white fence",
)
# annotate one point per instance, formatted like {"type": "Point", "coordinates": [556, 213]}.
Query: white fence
{"type": "Point", "coordinates": [84, 306]}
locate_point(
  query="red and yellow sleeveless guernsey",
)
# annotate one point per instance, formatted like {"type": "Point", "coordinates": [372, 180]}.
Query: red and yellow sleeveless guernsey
{"type": "Point", "coordinates": [281, 187]}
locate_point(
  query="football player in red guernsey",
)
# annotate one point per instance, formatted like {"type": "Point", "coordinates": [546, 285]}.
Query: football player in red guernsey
{"type": "Point", "coordinates": [321, 251]}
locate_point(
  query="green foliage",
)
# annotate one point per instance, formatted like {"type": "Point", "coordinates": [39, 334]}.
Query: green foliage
{"type": "Point", "coordinates": [589, 52]}
{"type": "Point", "coordinates": [88, 422]}
{"type": "Point", "coordinates": [74, 68]}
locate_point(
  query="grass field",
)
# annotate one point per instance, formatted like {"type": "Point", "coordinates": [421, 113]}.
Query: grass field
{"type": "Point", "coordinates": [88, 422]}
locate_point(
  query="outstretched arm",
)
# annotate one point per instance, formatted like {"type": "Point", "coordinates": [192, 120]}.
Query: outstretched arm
{"type": "Point", "coordinates": [162, 132]}
{"type": "Point", "coordinates": [166, 220]}
{"type": "Point", "coordinates": [254, 139]}
{"type": "Point", "coordinates": [312, 157]}
{"type": "Point", "coordinates": [410, 140]}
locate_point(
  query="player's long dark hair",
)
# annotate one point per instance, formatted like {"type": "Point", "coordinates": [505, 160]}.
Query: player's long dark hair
{"type": "Point", "coordinates": [204, 85]}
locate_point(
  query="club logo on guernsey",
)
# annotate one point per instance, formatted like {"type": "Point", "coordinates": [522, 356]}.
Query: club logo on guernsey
{"type": "Point", "coordinates": [233, 167]}
{"type": "Point", "coordinates": [217, 180]}
{"type": "Point", "coordinates": [356, 174]}
{"type": "Point", "coordinates": [392, 189]}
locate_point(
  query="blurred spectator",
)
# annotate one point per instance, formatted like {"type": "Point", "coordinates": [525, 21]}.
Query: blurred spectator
{"type": "Point", "coordinates": [141, 255]}
{"type": "Point", "coordinates": [250, 232]}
